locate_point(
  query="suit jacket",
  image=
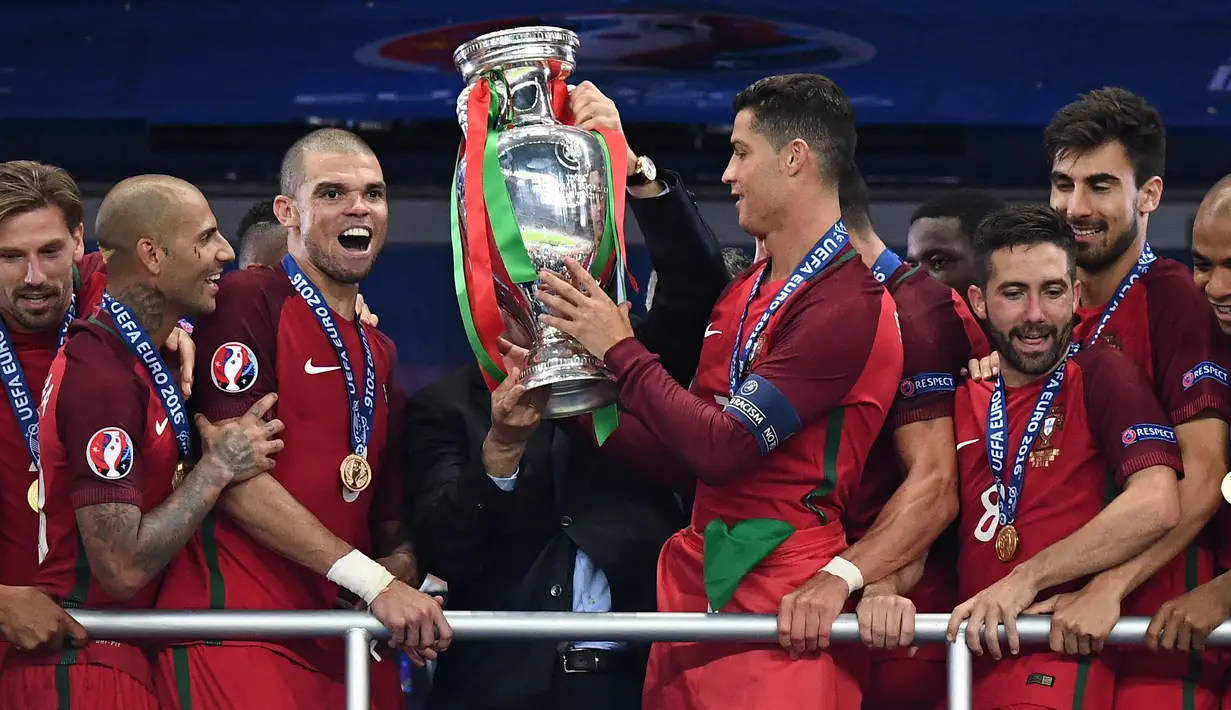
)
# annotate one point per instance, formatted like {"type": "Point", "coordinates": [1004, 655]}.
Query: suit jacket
{"type": "Point", "coordinates": [515, 551]}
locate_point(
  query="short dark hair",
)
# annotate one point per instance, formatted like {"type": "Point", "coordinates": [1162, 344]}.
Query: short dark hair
{"type": "Point", "coordinates": [1109, 115]}
{"type": "Point", "coordinates": [967, 206]}
{"type": "Point", "coordinates": [809, 107]}
{"type": "Point", "coordinates": [853, 197]}
{"type": "Point", "coordinates": [322, 140]}
{"type": "Point", "coordinates": [259, 213]}
{"type": "Point", "coordinates": [1025, 226]}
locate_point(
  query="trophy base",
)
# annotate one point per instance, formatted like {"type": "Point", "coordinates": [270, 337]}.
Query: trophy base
{"type": "Point", "coordinates": [579, 384]}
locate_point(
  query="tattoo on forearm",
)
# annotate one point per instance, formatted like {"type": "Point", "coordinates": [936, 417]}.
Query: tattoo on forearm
{"type": "Point", "coordinates": [147, 304]}
{"type": "Point", "coordinates": [118, 537]}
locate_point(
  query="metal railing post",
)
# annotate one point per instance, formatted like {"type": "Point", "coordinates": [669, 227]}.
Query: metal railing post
{"type": "Point", "coordinates": [358, 680]}
{"type": "Point", "coordinates": [960, 664]}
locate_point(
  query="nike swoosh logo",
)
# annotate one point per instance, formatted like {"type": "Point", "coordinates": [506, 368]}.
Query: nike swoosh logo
{"type": "Point", "coordinates": [160, 427]}
{"type": "Point", "coordinates": [709, 332]}
{"type": "Point", "coordinates": [311, 369]}
{"type": "Point", "coordinates": [966, 443]}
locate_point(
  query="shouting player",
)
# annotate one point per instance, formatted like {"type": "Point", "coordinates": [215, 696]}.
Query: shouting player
{"type": "Point", "coordinates": [775, 395]}
{"type": "Point", "coordinates": [1035, 448]}
{"type": "Point", "coordinates": [290, 539]}
{"type": "Point", "coordinates": [115, 501]}
{"type": "Point", "coordinates": [908, 495]}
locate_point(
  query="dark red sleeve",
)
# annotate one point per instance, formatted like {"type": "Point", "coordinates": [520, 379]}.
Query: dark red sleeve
{"type": "Point", "coordinates": [935, 348]}
{"type": "Point", "coordinates": [243, 325]}
{"type": "Point", "coordinates": [390, 505]}
{"type": "Point", "coordinates": [1129, 427]}
{"type": "Point", "coordinates": [100, 421]}
{"type": "Point", "coordinates": [805, 374]}
{"type": "Point", "coordinates": [1189, 350]}
{"type": "Point", "coordinates": [92, 281]}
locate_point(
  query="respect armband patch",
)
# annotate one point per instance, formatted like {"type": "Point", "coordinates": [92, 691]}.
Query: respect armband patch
{"type": "Point", "coordinates": [926, 383]}
{"type": "Point", "coordinates": [765, 411]}
{"type": "Point", "coordinates": [1147, 432]}
{"type": "Point", "coordinates": [1204, 371]}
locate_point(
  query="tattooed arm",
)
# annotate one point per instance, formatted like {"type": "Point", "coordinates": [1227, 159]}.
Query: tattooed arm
{"type": "Point", "coordinates": [127, 549]}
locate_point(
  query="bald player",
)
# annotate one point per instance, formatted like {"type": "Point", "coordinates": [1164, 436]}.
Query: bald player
{"type": "Point", "coordinates": [328, 520]}
{"type": "Point", "coordinates": [117, 500]}
{"type": "Point", "coordinates": [262, 238]}
{"type": "Point", "coordinates": [1183, 623]}
{"type": "Point", "coordinates": [1212, 250]}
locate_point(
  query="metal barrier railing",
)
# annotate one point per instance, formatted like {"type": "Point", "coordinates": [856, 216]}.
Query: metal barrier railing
{"type": "Point", "coordinates": [359, 628]}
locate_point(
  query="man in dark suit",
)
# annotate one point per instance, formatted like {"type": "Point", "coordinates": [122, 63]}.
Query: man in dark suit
{"type": "Point", "coordinates": [517, 516]}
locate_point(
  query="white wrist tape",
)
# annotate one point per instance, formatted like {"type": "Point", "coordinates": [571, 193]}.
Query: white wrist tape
{"type": "Point", "coordinates": [362, 575]}
{"type": "Point", "coordinates": [847, 571]}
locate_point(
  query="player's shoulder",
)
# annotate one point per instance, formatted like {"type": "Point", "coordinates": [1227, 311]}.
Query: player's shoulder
{"type": "Point", "coordinates": [253, 281]}
{"type": "Point", "coordinates": [850, 284]}
{"type": "Point", "coordinates": [917, 291]}
{"type": "Point", "coordinates": [92, 354]}
{"type": "Point", "coordinates": [380, 340]}
{"type": "Point", "coordinates": [1171, 281]}
{"type": "Point", "coordinates": [1103, 363]}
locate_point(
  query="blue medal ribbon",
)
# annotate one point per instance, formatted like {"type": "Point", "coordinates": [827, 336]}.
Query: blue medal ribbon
{"type": "Point", "coordinates": [21, 399]}
{"type": "Point", "coordinates": [998, 440]}
{"type": "Point", "coordinates": [363, 409]}
{"type": "Point", "coordinates": [823, 252]}
{"type": "Point", "coordinates": [885, 265]}
{"type": "Point", "coordinates": [1144, 262]}
{"type": "Point", "coordinates": [139, 344]}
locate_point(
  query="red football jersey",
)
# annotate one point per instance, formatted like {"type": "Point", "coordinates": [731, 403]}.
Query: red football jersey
{"type": "Point", "coordinates": [833, 350]}
{"type": "Point", "coordinates": [1166, 326]}
{"type": "Point", "coordinates": [1103, 426]}
{"type": "Point", "coordinates": [19, 490]}
{"type": "Point", "coordinates": [263, 338]}
{"type": "Point", "coordinates": [110, 443]}
{"type": "Point", "coordinates": [939, 338]}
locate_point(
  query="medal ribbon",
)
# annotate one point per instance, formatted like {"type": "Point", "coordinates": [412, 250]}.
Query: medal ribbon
{"type": "Point", "coordinates": [823, 252]}
{"type": "Point", "coordinates": [362, 409]}
{"type": "Point", "coordinates": [1144, 262]}
{"type": "Point", "coordinates": [21, 399]}
{"type": "Point", "coordinates": [998, 440]}
{"type": "Point", "coordinates": [139, 344]}
{"type": "Point", "coordinates": [885, 265]}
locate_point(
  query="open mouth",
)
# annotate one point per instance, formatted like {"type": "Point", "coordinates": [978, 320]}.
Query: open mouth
{"type": "Point", "coordinates": [356, 239]}
{"type": "Point", "coordinates": [1086, 231]}
{"type": "Point", "coordinates": [37, 300]}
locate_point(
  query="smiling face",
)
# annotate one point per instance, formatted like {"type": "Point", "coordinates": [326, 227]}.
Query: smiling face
{"type": "Point", "coordinates": [37, 253]}
{"type": "Point", "coordinates": [756, 176]}
{"type": "Point", "coordinates": [341, 213]}
{"type": "Point", "coordinates": [195, 253]}
{"type": "Point", "coordinates": [1097, 193]}
{"type": "Point", "coordinates": [1212, 252]}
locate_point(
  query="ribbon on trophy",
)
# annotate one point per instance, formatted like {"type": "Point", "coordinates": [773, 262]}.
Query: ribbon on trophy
{"type": "Point", "coordinates": [491, 226]}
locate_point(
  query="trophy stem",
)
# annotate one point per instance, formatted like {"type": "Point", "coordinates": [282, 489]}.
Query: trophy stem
{"type": "Point", "coordinates": [579, 382]}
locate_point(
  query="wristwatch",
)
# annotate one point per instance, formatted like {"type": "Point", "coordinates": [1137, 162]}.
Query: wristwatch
{"type": "Point", "coordinates": [644, 173]}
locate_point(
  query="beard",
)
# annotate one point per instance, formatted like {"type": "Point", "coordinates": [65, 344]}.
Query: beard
{"type": "Point", "coordinates": [1095, 259]}
{"type": "Point", "coordinates": [1032, 364]}
{"type": "Point", "coordinates": [48, 315]}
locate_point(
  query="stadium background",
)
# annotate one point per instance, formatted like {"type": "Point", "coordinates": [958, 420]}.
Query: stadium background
{"type": "Point", "coordinates": [947, 93]}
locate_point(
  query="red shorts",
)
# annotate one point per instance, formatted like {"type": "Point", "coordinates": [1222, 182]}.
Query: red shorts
{"type": "Point", "coordinates": [202, 677]}
{"type": "Point", "coordinates": [1170, 680]}
{"type": "Point", "coordinates": [898, 680]}
{"type": "Point", "coordinates": [80, 687]}
{"type": "Point", "coordinates": [1046, 680]}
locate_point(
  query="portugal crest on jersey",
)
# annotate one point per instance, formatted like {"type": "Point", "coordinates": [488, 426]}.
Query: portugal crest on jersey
{"type": "Point", "coordinates": [1044, 452]}
{"type": "Point", "coordinates": [234, 367]}
{"type": "Point", "coordinates": [110, 453]}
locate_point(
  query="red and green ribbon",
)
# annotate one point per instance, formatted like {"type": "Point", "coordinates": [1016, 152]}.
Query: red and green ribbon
{"type": "Point", "coordinates": [491, 227]}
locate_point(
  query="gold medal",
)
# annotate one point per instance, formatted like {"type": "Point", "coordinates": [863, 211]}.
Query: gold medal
{"type": "Point", "coordinates": [32, 496]}
{"type": "Point", "coordinates": [181, 472]}
{"type": "Point", "coordinates": [1006, 543]}
{"type": "Point", "coordinates": [356, 473]}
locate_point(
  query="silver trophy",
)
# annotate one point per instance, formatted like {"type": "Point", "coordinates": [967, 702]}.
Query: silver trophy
{"type": "Point", "coordinates": [556, 176]}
